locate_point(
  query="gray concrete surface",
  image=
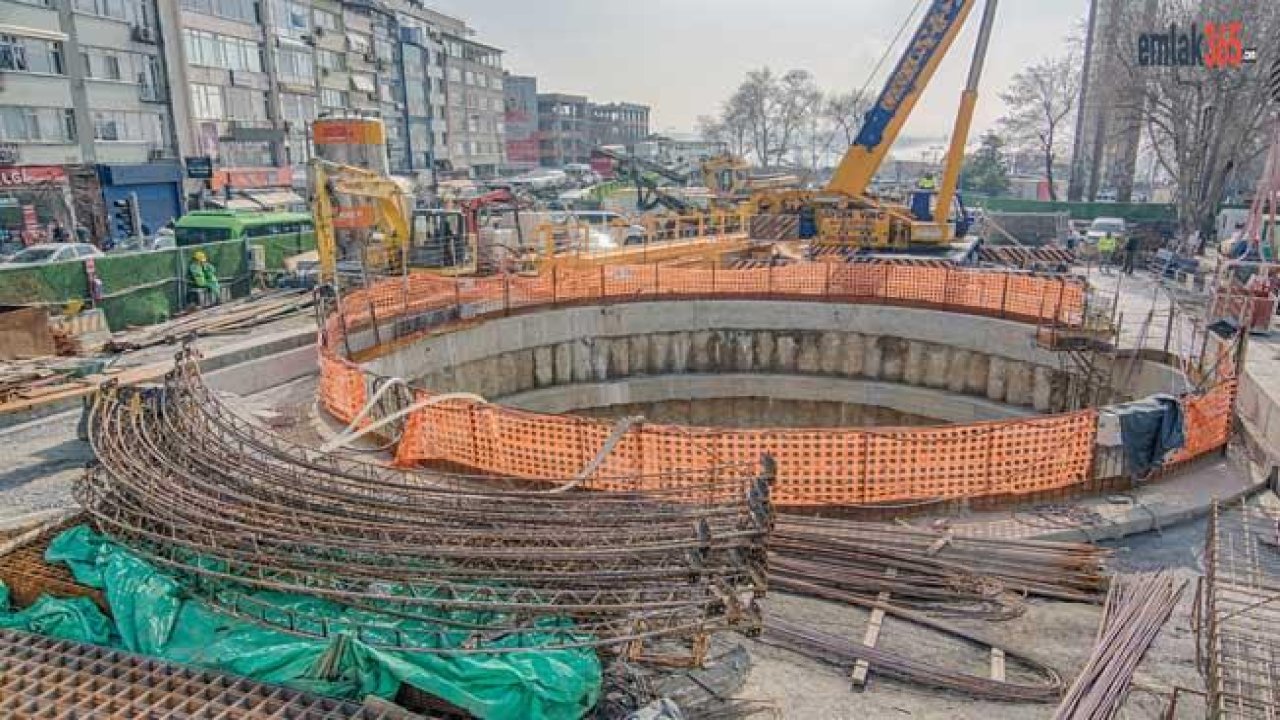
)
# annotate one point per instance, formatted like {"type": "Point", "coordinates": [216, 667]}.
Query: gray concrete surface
{"type": "Point", "coordinates": [982, 357]}
{"type": "Point", "coordinates": [940, 405]}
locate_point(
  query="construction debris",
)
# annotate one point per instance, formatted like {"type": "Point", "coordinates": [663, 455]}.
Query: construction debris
{"type": "Point", "coordinates": [241, 512]}
{"type": "Point", "coordinates": [236, 316]}
{"type": "Point", "coordinates": [1240, 615]}
{"type": "Point", "coordinates": [1137, 607]}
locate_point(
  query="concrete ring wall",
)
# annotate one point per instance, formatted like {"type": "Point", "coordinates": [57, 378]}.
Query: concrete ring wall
{"type": "Point", "coordinates": [968, 366]}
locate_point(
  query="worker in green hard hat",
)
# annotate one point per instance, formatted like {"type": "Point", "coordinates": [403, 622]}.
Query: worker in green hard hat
{"type": "Point", "coordinates": [927, 182]}
{"type": "Point", "coordinates": [204, 276]}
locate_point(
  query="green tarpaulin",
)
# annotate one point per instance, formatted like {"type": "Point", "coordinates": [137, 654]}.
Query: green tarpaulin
{"type": "Point", "coordinates": [153, 616]}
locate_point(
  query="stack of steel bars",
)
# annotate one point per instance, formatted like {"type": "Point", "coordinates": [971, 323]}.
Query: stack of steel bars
{"type": "Point", "coordinates": [233, 511]}
{"type": "Point", "coordinates": [926, 568]}
{"type": "Point", "coordinates": [1137, 607]}
{"type": "Point", "coordinates": [1241, 612]}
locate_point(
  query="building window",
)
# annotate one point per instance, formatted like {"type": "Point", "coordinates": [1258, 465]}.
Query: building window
{"type": "Point", "coordinates": [298, 110]}
{"type": "Point", "coordinates": [364, 84]}
{"type": "Point", "coordinates": [386, 52]}
{"type": "Point", "coordinates": [330, 60]}
{"type": "Point", "coordinates": [206, 102]}
{"type": "Point", "coordinates": [331, 98]}
{"type": "Point", "coordinates": [292, 19]}
{"type": "Point", "coordinates": [31, 124]}
{"type": "Point", "coordinates": [455, 75]}
{"type": "Point", "coordinates": [130, 11]}
{"type": "Point", "coordinates": [296, 66]}
{"type": "Point", "coordinates": [325, 20]}
{"type": "Point", "coordinates": [359, 44]}
{"type": "Point", "coordinates": [222, 51]}
{"type": "Point", "coordinates": [25, 54]}
{"type": "Point", "coordinates": [239, 10]}
{"type": "Point", "coordinates": [245, 104]}
{"type": "Point", "coordinates": [123, 126]}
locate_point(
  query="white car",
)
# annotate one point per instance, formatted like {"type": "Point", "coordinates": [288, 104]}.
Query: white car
{"type": "Point", "coordinates": [54, 252]}
{"type": "Point", "coordinates": [1103, 225]}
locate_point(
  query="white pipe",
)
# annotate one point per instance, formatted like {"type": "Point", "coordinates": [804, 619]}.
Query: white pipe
{"type": "Point", "coordinates": [346, 439]}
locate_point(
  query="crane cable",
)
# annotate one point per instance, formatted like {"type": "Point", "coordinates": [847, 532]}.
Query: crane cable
{"type": "Point", "coordinates": [885, 55]}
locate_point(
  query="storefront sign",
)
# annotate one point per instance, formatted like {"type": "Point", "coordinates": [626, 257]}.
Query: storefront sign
{"type": "Point", "coordinates": [244, 178]}
{"type": "Point", "coordinates": [199, 167]}
{"type": "Point", "coordinates": [31, 175]}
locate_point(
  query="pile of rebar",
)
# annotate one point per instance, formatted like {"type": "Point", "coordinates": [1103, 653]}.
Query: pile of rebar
{"type": "Point", "coordinates": [941, 571]}
{"type": "Point", "coordinates": [458, 565]}
{"type": "Point", "coordinates": [1137, 607]}
{"type": "Point", "coordinates": [834, 650]}
{"type": "Point", "coordinates": [1240, 614]}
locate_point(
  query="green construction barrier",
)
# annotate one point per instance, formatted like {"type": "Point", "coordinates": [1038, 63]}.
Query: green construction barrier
{"type": "Point", "coordinates": [147, 287]}
{"type": "Point", "coordinates": [151, 615]}
{"type": "Point", "coordinates": [1131, 212]}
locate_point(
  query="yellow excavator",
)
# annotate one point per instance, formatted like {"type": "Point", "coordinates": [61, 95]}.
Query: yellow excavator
{"type": "Point", "coordinates": [844, 213]}
{"type": "Point", "coordinates": [432, 240]}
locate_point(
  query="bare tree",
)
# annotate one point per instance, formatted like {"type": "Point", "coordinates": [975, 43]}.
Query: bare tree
{"type": "Point", "coordinates": [845, 112]}
{"type": "Point", "coordinates": [1203, 122]}
{"type": "Point", "coordinates": [774, 110]}
{"type": "Point", "coordinates": [1040, 99]}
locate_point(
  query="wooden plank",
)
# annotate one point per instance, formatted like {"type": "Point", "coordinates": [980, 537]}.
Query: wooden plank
{"type": "Point", "coordinates": [872, 636]}
{"type": "Point", "coordinates": [939, 544]}
{"type": "Point", "coordinates": [997, 664]}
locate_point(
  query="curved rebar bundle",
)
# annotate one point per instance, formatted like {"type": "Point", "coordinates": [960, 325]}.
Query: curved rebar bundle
{"type": "Point", "coordinates": [416, 561]}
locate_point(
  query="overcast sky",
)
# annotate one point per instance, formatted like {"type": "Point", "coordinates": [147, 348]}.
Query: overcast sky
{"type": "Point", "coordinates": [684, 57]}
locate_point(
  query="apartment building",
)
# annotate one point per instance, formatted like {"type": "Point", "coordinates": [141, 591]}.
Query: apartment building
{"type": "Point", "coordinates": [571, 126]}
{"type": "Point", "coordinates": [619, 123]}
{"type": "Point", "coordinates": [473, 81]}
{"type": "Point", "coordinates": [84, 116]}
{"type": "Point", "coordinates": [521, 120]}
{"type": "Point", "coordinates": [563, 136]}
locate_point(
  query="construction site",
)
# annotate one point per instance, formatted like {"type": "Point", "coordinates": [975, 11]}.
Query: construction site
{"type": "Point", "coordinates": [783, 449]}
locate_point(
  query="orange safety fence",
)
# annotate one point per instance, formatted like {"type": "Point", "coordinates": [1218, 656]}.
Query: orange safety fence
{"type": "Point", "coordinates": [815, 467]}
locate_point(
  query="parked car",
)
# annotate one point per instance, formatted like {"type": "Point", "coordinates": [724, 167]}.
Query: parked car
{"type": "Point", "coordinates": [165, 241]}
{"type": "Point", "coordinates": [1103, 225]}
{"type": "Point", "coordinates": [54, 252]}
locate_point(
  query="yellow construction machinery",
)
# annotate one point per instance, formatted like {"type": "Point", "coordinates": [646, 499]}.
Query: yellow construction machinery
{"type": "Point", "coordinates": [844, 213]}
{"type": "Point", "coordinates": [402, 237]}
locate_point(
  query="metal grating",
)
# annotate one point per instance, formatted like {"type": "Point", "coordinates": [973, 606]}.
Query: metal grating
{"type": "Point", "coordinates": [1242, 613]}
{"type": "Point", "coordinates": [44, 678]}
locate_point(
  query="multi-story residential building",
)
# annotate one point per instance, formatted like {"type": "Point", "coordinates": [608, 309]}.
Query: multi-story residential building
{"type": "Point", "coordinates": [473, 81]}
{"type": "Point", "coordinates": [520, 117]}
{"type": "Point", "coordinates": [563, 136]}
{"type": "Point", "coordinates": [84, 116]}
{"type": "Point", "coordinates": [571, 126]}
{"type": "Point", "coordinates": [619, 123]}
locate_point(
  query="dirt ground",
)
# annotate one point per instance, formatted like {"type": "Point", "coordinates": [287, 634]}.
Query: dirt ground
{"type": "Point", "coordinates": [1055, 633]}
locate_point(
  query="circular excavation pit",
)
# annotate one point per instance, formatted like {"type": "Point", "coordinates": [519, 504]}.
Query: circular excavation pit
{"type": "Point", "coordinates": [869, 385]}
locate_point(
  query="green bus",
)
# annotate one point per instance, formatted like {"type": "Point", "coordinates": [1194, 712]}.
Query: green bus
{"type": "Point", "coordinates": [279, 234]}
{"type": "Point", "coordinates": [207, 226]}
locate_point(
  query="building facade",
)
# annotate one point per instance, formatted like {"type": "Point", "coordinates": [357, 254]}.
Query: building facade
{"type": "Point", "coordinates": [618, 123]}
{"type": "Point", "coordinates": [520, 117]}
{"type": "Point", "coordinates": [85, 119]}
{"type": "Point", "coordinates": [571, 126]}
{"type": "Point", "coordinates": [474, 93]}
{"type": "Point", "coordinates": [563, 126]}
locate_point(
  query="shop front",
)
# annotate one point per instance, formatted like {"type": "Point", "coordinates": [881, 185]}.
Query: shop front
{"type": "Point", "coordinates": [157, 188]}
{"type": "Point", "coordinates": [35, 200]}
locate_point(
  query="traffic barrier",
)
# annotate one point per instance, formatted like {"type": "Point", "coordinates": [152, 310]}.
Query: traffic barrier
{"type": "Point", "coordinates": [815, 467]}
